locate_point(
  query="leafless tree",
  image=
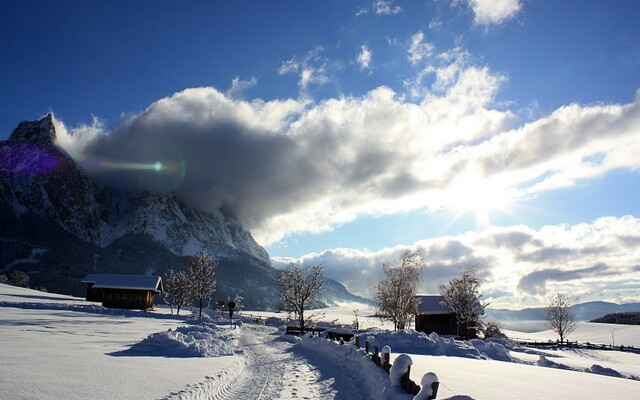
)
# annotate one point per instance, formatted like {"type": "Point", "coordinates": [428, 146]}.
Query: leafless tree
{"type": "Point", "coordinates": [202, 272]}
{"type": "Point", "coordinates": [560, 316]}
{"type": "Point", "coordinates": [300, 288]}
{"type": "Point", "coordinates": [395, 296]}
{"type": "Point", "coordinates": [178, 290]}
{"type": "Point", "coordinates": [462, 297]}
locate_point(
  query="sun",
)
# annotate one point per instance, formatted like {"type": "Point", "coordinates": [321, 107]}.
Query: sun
{"type": "Point", "coordinates": [473, 193]}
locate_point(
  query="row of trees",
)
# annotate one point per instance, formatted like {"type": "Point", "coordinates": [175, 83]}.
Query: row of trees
{"type": "Point", "coordinates": [300, 288]}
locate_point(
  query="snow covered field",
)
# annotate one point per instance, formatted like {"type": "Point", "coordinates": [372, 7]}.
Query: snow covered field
{"type": "Point", "coordinates": [56, 347]}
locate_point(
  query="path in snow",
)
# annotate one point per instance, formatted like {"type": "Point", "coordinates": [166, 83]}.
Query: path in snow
{"type": "Point", "coordinates": [271, 370]}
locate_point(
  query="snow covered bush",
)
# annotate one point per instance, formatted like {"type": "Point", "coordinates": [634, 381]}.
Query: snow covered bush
{"type": "Point", "coordinates": [408, 341]}
{"type": "Point", "coordinates": [492, 331]}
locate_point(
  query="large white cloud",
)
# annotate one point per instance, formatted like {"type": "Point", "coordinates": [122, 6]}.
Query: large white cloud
{"type": "Point", "coordinates": [294, 165]}
{"type": "Point", "coordinates": [589, 261]}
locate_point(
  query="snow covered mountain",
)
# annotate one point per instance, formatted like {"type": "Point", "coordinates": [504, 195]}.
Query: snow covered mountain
{"type": "Point", "coordinates": [57, 224]}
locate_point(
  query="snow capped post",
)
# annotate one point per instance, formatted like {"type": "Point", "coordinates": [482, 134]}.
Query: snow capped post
{"type": "Point", "coordinates": [386, 357]}
{"type": "Point", "coordinates": [429, 385]}
{"type": "Point", "coordinates": [401, 366]}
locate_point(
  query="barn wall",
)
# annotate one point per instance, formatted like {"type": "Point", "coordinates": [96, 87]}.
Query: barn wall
{"type": "Point", "coordinates": [129, 299]}
{"type": "Point", "coordinates": [93, 294]}
{"type": "Point", "coordinates": [442, 324]}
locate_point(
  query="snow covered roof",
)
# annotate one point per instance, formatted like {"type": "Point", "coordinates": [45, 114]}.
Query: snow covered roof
{"type": "Point", "coordinates": [430, 304]}
{"type": "Point", "coordinates": [91, 278]}
{"type": "Point", "coordinates": [117, 281]}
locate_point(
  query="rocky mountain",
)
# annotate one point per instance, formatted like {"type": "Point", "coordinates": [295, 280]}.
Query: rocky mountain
{"type": "Point", "coordinates": [57, 224]}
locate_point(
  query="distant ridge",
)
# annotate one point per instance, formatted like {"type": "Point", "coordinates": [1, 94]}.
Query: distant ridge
{"type": "Point", "coordinates": [584, 311]}
{"type": "Point", "coordinates": [623, 318]}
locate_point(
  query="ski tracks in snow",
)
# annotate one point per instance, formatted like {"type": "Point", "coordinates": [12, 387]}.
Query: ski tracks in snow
{"type": "Point", "coordinates": [269, 370]}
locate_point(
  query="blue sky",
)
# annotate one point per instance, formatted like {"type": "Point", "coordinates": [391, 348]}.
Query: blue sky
{"type": "Point", "coordinates": [344, 132]}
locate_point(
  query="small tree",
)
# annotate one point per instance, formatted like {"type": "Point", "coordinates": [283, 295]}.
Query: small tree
{"type": "Point", "coordinates": [300, 288]}
{"type": "Point", "coordinates": [202, 272]}
{"type": "Point", "coordinates": [461, 296]}
{"type": "Point", "coordinates": [4, 279]}
{"type": "Point", "coordinates": [239, 302]}
{"type": "Point", "coordinates": [178, 290]}
{"type": "Point", "coordinates": [395, 296]}
{"type": "Point", "coordinates": [19, 278]}
{"type": "Point", "coordinates": [560, 316]}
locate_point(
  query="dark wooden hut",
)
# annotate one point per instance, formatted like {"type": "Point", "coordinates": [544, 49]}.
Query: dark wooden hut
{"type": "Point", "coordinates": [126, 291]}
{"type": "Point", "coordinates": [432, 316]}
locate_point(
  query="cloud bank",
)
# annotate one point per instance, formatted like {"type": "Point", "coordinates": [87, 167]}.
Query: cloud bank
{"type": "Point", "coordinates": [520, 265]}
{"type": "Point", "coordinates": [295, 165]}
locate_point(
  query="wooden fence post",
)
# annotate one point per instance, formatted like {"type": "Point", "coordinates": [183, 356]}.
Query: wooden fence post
{"type": "Point", "coordinates": [376, 356]}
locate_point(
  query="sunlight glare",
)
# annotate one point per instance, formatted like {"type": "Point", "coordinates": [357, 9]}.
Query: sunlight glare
{"type": "Point", "coordinates": [474, 193]}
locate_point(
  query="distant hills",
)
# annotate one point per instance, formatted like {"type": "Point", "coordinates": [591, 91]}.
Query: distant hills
{"type": "Point", "coordinates": [584, 311]}
{"type": "Point", "coordinates": [623, 318]}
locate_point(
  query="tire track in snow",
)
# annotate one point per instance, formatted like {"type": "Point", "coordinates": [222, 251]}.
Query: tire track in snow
{"type": "Point", "coordinates": [269, 370]}
{"type": "Point", "coordinates": [272, 371]}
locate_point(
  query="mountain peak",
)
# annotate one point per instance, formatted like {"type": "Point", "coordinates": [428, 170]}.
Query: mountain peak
{"type": "Point", "coordinates": [42, 132]}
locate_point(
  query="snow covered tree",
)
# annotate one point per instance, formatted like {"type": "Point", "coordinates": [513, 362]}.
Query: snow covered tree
{"type": "Point", "coordinates": [239, 302]}
{"type": "Point", "coordinates": [560, 316]}
{"type": "Point", "coordinates": [492, 330]}
{"type": "Point", "coordinates": [19, 278]}
{"type": "Point", "coordinates": [395, 296]}
{"type": "Point", "coordinates": [202, 272]}
{"type": "Point", "coordinates": [461, 296]}
{"type": "Point", "coordinates": [300, 288]}
{"type": "Point", "coordinates": [178, 290]}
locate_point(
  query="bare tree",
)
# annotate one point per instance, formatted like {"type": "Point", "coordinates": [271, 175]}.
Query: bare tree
{"type": "Point", "coordinates": [560, 316]}
{"type": "Point", "coordinates": [395, 296]}
{"type": "Point", "coordinates": [461, 296]}
{"type": "Point", "coordinates": [178, 290]}
{"type": "Point", "coordinates": [300, 288]}
{"type": "Point", "coordinates": [202, 272]}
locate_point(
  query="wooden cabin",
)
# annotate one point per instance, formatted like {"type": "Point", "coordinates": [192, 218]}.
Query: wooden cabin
{"type": "Point", "coordinates": [124, 291]}
{"type": "Point", "coordinates": [432, 316]}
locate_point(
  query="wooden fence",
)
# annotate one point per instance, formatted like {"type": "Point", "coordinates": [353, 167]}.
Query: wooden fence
{"type": "Point", "coordinates": [382, 360]}
{"type": "Point", "coordinates": [576, 345]}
